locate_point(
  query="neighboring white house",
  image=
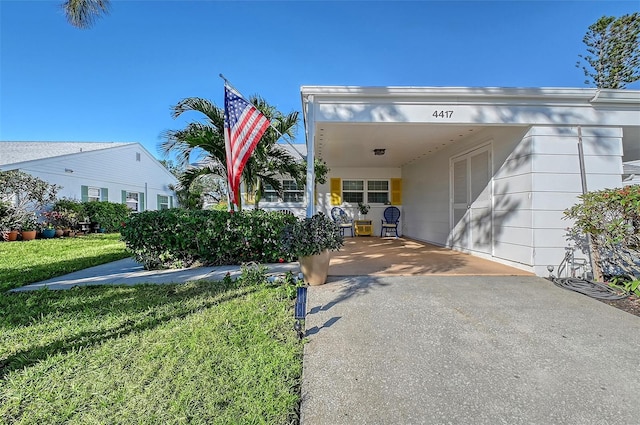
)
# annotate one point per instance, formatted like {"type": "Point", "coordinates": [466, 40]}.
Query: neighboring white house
{"type": "Point", "coordinates": [292, 197]}
{"type": "Point", "coordinates": [487, 171]}
{"type": "Point", "coordinates": [115, 172]}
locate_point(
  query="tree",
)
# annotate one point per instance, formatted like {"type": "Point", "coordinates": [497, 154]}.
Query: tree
{"type": "Point", "coordinates": [83, 13]}
{"type": "Point", "coordinates": [25, 193]}
{"type": "Point", "coordinates": [200, 146]}
{"type": "Point", "coordinates": [613, 47]}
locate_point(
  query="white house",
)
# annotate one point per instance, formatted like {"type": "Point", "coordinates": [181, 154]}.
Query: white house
{"type": "Point", "coordinates": [115, 172]}
{"type": "Point", "coordinates": [487, 171]}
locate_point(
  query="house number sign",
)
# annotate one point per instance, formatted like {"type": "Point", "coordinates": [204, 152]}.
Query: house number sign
{"type": "Point", "coordinates": [442, 114]}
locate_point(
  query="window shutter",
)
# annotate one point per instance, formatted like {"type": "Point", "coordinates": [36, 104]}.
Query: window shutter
{"type": "Point", "coordinates": [104, 194]}
{"type": "Point", "coordinates": [141, 206]}
{"type": "Point", "coordinates": [158, 202]}
{"type": "Point", "coordinates": [336, 191]}
{"type": "Point", "coordinates": [170, 201]}
{"type": "Point", "coordinates": [396, 191]}
{"type": "Point", "coordinates": [84, 193]}
{"type": "Point", "coordinates": [124, 196]}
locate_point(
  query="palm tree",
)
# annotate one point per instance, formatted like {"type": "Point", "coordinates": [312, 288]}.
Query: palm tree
{"type": "Point", "coordinates": [83, 13]}
{"type": "Point", "coordinates": [203, 143]}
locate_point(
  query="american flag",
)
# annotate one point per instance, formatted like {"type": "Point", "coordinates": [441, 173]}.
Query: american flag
{"type": "Point", "coordinates": [244, 125]}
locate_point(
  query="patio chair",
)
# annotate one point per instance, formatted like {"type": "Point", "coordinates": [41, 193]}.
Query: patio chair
{"type": "Point", "coordinates": [391, 217]}
{"type": "Point", "coordinates": [343, 221]}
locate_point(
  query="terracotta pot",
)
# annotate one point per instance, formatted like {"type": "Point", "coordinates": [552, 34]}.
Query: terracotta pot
{"type": "Point", "coordinates": [10, 235]}
{"type": "Point", "coordinates": [28, 235]}
{"type": "Point", "coordinates": [59, 233]}
{"type": "Point", "coordinates": [65, 232]}
{"type": "Point", "coordinates": [315, 268]}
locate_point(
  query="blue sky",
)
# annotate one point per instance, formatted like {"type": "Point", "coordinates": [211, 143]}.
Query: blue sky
{"type": "Point", "coordinates": [118, 80]}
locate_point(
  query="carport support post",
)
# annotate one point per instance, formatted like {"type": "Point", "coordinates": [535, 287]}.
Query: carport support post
{"type": "Point", "coordinates": [310, 157]}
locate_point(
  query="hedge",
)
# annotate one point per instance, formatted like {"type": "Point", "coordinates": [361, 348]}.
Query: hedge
{"type": "Point", "coordinates": [181, 238]}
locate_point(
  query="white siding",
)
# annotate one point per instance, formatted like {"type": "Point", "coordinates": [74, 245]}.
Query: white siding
{"type": "Point", "coordinates": [115, 169]}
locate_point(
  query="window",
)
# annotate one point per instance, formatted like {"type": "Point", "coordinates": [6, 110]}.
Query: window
{"type": "Point", "coordinates": [378, 191]}
{"type": "Point", "coordinates": [163, 202]}
{"type": "Point", "coordinates": [93, 194]}
{"type": "Point", "coordinates": [132, 201]}
{"type": "Point", "coordinates": [138, 156]}
{"type": "Point", "coordinates": [291, 191]}
{"type": "Point", "coordinates": [353, 191]}
{"type": "Point", "coordinates": [269, 194]}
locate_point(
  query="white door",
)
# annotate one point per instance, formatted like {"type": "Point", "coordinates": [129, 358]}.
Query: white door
{"type": "Point", "coordinates": [471, 214]}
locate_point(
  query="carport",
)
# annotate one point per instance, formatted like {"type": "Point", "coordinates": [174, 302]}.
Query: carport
{"type": "Point", "coordinates": [485, 171]}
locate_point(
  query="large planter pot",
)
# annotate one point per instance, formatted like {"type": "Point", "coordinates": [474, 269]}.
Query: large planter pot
{"type": "Point", "coordinates": [315, 268]}
{"type": "Point", "coordinates": [28, 235]}
{"type": "Point", "coordinates": [48, 233]}
{"type": "Point", "coordinates": [59, 233]}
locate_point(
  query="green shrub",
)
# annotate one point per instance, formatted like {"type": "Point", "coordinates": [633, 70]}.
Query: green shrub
{"type": "Point", "coordinates": [180, 238]}
{"type": "Point", "coordinates": [71, 212]}
{"type": "Point", "coordinates": [612, 218]}
{"type": "Point", "coordinates": [108, 215]}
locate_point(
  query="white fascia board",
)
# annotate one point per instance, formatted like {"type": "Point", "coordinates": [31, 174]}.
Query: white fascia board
{"type": "Point", "coordinates": [470, 95]}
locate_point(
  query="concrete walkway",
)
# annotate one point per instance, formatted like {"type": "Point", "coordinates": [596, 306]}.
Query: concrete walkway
{"type": "Point", "coordinates": [130, 272]}
{"type": "Point", "coordinates": [466, 350]}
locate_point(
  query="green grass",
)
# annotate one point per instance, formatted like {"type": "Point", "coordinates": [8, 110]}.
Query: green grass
{"type": "Point", "coordinates": [197, 353]}
{"type": "Point", "coordinates": [22, 263]}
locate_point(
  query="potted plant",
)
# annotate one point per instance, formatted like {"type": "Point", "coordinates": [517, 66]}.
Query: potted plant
{"type": "Point", "coordinates": [9, 222]}
{"type": "Point", "coordinates": [310, 240]}
{"type": "Point", "coordinates": [364, 209]}
{"type": "Point", "coordinates": [29, 227]}
{"type": "Point", "coordinates": [48, 231]}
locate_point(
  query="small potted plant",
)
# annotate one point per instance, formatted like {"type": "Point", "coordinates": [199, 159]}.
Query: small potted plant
{"type": "Point", "coordinates": [29, 227]}
{"type": "Point", "coordinates": [310, 240]}
{"type": "Point", "coordinates": [364, 209]}
{"type": "Point", "coordinates": [9, 222]}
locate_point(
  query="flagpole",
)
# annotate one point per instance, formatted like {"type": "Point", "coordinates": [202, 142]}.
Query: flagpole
{"type": "Point", "coordinates": [270, 124]}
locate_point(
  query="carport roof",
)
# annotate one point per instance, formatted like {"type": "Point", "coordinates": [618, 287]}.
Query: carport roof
{"type": "Point", "coordinates": [413, 122]}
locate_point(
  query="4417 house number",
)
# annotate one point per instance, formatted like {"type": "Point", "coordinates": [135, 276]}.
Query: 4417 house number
{"type": "Point", "coordinates": [442, 114]}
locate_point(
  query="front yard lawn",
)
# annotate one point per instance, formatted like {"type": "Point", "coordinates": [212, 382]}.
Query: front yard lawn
{"type": "Point", "coordinates": [22, 263]}
{"type": "Point", "coordinates": [198, 353]}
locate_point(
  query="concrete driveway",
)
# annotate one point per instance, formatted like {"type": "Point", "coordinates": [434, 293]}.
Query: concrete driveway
{"type": "Point", "coordinates": [466, 350]}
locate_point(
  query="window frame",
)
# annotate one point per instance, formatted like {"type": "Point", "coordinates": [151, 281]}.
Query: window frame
{"type": "Point", "coordinates": [160, 204]}
{"type": "Point", "coordinates": [94, 198]}
{"type": "Point", "coordinates": [365, 191]}
{"type": "Point", "coordinates": [269, 195]}
{"type": "Point", "coordinates": [137, 200]}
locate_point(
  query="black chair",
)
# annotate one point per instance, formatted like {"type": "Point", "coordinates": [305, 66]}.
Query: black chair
{"type": "Point", "coordinates": [343, 221]}
{"type": "Point", "coordinates": [391, 218]}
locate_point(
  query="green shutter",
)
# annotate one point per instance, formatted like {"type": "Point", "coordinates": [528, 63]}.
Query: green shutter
{"type": "Point", "coordinates": [141, 206]}
{"type": "Point", "coordinates": [170, 201]}
{"type": "Point", "coordinates": [84, 193]}
{"type": "Point", "coordinates": [124, 196]}
{"type": "Point", "coordinates": [158, 202]}
{"type": "Point", "coordinates": [104, 194]}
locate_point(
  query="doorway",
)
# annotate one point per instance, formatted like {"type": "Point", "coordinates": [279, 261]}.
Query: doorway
{"type": "Point", "coordinates": [471, 201]}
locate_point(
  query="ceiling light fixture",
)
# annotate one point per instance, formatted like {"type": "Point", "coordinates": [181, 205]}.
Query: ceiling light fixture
{"type": "Point", "coordinates": [379, 151]}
